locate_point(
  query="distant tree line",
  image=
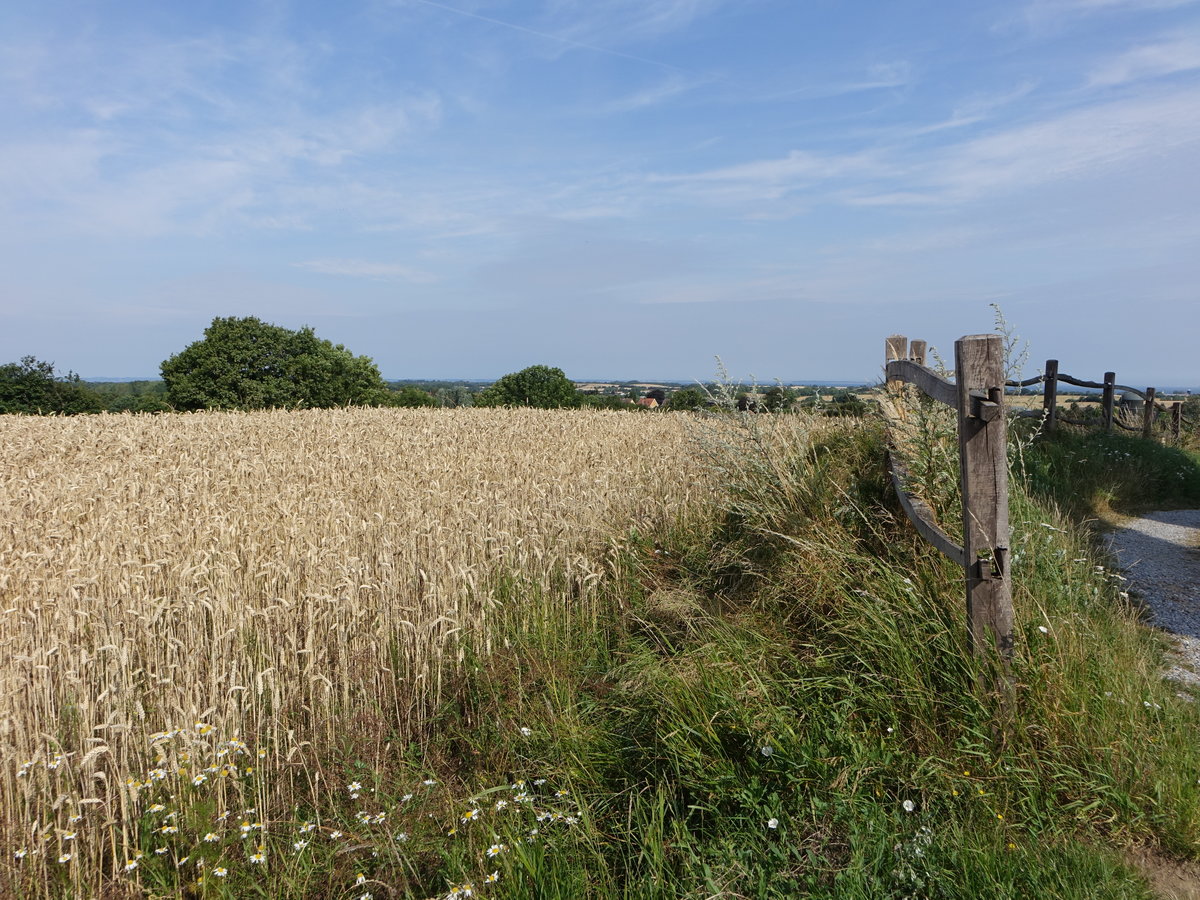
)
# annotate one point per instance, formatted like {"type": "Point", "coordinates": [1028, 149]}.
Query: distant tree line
{"type": "Point", "coordinates": [34, 387]}
{"type": "Point", "coordinates": [247, 364]}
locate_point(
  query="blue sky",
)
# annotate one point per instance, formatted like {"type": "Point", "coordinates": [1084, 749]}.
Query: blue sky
{"type": "Point", "coordinates": [623, 188]}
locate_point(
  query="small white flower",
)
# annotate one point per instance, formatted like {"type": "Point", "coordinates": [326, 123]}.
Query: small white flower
{"type": "Point", "coordinates": [767, 750]}
{"type": "Point", "coordinates": [220, 871]}
{"type": "Point", "coordinates": [354, 787]}
{"type": "Point", "coordinates": [130, 865]}
{"type": "Point", "coordinates": [908, 805]}
{"type": "Point", "coordinates": [21, 854]}
{"type": "Point", "coordinates": [526, 732]}
{"type": "Point", "coordinates": [429, 782]}
{"type": "Point", "coordinates": [300, 845]}
{"type": "Point", "coordinates": [1043, 629]}
{"type": "Point", "coordinates": [65, 858]}
{"type": "Point", "coordinates": [772, 823]}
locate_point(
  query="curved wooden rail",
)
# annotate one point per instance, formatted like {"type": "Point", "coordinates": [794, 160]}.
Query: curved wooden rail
{"type": "Point", "coordinates": [926, 379]}
{"type": "Point", "coordinates": [1150, 406]}
{"type": "Point", "coordinates": [1027, 382]}
{"type": "Point", "coordinates": [920, 513]}
{"type": "Point", "coordinates": [977, 393]}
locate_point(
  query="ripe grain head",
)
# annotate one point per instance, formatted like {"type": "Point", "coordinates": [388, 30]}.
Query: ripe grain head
{"type": "Point", "coordinates": [272, 574]}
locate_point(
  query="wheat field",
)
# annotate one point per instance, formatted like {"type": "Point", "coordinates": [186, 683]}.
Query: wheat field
{"type": "Point", "coordinates": [263, 576]}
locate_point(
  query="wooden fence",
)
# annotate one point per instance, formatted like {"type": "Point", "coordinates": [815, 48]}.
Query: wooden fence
{"type": "Point", "coordinates": [1108, 388]}
{"type": "Point", "coordinates": [978, 394]}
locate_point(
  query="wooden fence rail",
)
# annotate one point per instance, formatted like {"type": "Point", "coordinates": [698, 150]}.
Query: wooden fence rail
{"type": "Point", "coordinates": [978, 394]}
{"type": "Point", "coordinates": [1108, 387]}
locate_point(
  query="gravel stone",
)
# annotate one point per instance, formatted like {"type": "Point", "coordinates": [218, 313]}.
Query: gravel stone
{"type": "Point", "coordinates": [1159, 554]}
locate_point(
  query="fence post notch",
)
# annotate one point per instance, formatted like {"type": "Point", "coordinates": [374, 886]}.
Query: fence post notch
{"type": "Point", "coordinates": [983, 456]}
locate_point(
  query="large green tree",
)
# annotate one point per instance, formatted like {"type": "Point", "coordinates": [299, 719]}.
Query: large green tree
{"type": "Point", "coordinates": [32, 386]}
{"type": "Point", "coordinates": [688, 398]}
{"type": "Point", "coordinates": [539, 386]}
{"type": "Point", "coordinates": [245, 363]}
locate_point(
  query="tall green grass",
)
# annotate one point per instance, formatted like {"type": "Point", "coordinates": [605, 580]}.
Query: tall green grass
{"type": "Point", "coordinates": [782, 704]}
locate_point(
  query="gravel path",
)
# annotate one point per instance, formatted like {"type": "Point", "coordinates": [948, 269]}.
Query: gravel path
{"type": "Point", "coordinates": [1160, 555]}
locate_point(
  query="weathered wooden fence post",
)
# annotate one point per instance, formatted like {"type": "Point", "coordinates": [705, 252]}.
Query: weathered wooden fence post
{"type": "Point", "coordinates": [1106, 403]}
{"type": "Point", "coordinates": [1176, 419]}
{"type": "Point", "coordinates": [916, 352]}
{"type": "Point", "coordinates": [896, 347]}
{"type": "Point", "coordinates": [983, 454]}
{"type": "Point", "coordinates": [1148, 413]}
{"type": "Point", "coordinates": [1050, 395]}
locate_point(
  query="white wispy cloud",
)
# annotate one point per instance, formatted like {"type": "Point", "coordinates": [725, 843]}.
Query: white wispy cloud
{"type": "Point", "coordinates": [880, 76]}
{"type": "Point", "coordinates": [362, 268]}
{"type": "Point", "coordinates": [185, 136]}
{"type": "Point", "coordinates": [654, 95]}
{"type": "Point", "coordinates": [1084, 143]}
{"type": "Point", "coordinates": [575, 34]}
{"type": "Point", "coordinates": [1077, 145]}
{"type": "Point", "coordinates": [1100, 5]}
{"type": "Point", "coordinates": [768, 180]}
{"type": "Point", "coordinates": [1051, 16]}
{"type": "Point", "coordinates": [616, 22]}
{"type": "Point", "coordinates": [1151, 60]}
